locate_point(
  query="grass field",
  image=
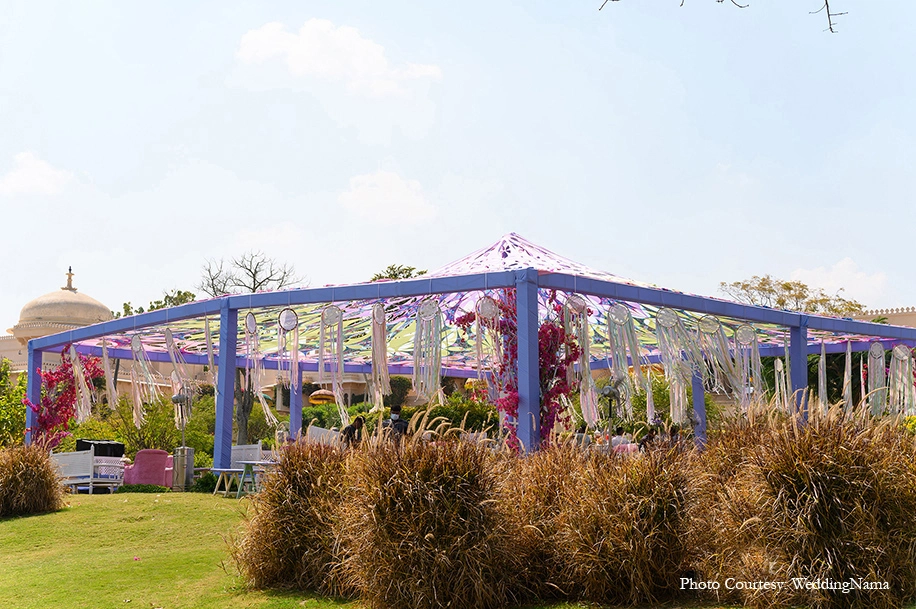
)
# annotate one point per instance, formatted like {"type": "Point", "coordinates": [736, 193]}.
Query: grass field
{"type": "Point", "coordinates": [136, 550]}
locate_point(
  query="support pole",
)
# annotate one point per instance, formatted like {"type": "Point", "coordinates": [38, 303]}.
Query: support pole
{"type": "Point", "coordinates": [225, 385]}
{"type": "Point", "coordinates": [529, 398]}
{"type": "Point", "coordinates": [798, 366]}
{"type": "Point", "coordinates": [33, 391]}
{"type": "Point", "coordinates": [295, 405]}
{"type": "Point", "coordinates": [699, 409]}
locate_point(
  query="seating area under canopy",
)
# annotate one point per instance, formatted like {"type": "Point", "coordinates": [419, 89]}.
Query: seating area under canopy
{"type": "Point", "coordinates": [539, 279]}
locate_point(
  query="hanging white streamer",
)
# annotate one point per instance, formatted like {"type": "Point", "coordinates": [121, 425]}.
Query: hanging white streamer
{"type": "Point", "coordinates": [674, 344]}
{"type": "Point", "coordinates": [211, 359]}
{"type": "Point", "coordinates": [625, 351]}
{"type": "Point", "coordinates": [726, 373]}
{"type": "Point", "coordinates": [83, 395]}
{"type": "Point", "coordinates": [901, 397]}
{"type": "Point", "coordinates": [332, 351]}
{"type": "Point", "coordinates": [822, 378]}
{"type": "Point", "coordinates": [575, 317]}
{"type": "Point", "coordinates": [782, 389]}
{"type": "Point", "coordinates": [847, 378]}
{"type": "Point", "coordinates": [181, 382]}
{"type": "Point", "coordinates": [427, 351]}
{"type": "Point", "coordinates": [380, 381]}
{"type": "Point", "coordinates": [254, 366]}
{"type": "Point", "coordinates": [143, 385]}
{"type": "Point", "coordinates": [748, 364]}
{"type": "Point", "coordinates": [877, 383]}
{"type": "Point", "coordinates": [111, 386]}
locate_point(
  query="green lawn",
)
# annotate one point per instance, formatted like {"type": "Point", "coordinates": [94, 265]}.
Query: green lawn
{"type": "Point", "coordinates": [136, 550]}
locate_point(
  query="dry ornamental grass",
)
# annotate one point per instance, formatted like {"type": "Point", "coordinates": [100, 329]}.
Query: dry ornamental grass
{"type": "Point", "coordinates": [28, 482]}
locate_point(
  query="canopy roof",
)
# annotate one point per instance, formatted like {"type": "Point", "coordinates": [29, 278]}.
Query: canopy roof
{"type": "Point", "coordinates": [456, 287]}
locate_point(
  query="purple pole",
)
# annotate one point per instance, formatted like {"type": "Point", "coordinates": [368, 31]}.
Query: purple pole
{"type": "Point", "coordinates": [798, 365]}
{"type": "Point", "coordinates": [699, 409]}
{"type": "Point", "coordinates": [529, 398]}
{"type": "Point", "coordinates": [225, 386]}
{"type": "Point", "coordinates": [33, 391]}
{"type": "Point", "coordinates": [295, 406]}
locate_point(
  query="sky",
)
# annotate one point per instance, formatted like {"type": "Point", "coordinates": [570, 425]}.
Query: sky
{"type": "Point", "coordinates": [679, 146]}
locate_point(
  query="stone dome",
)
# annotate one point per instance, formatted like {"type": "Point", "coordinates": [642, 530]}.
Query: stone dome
{"type": "Point", "coordinates": [57, 311]}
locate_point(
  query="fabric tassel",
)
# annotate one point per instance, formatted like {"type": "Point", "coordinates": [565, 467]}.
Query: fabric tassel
{"type": "Point", "coordinates": [782, 392]}
{"type": "Point", "coordinates": [380, 381]}
{"type": "Point", "coordinates": [111, 385]}
{"type": "Point", "coordinates": [725, 374]}
{"type": "Point", "coordinates": [141, 366]}
{"type": "Point", "coordinates": [83, 395]}
{"type": "Point", "coordinates": [330, 351]}
{"type": "Point", "coordinates": [575, 316]}
{"type": "Point", "coordinates": [674, 345]}
{"type": "Point", "coordinates": [847, 379]}
{"type": "Point", "coordinates": [181, 383]}
{"type": "Point", "coordinates": [427, 351]}
{"type": "Point", "coordinates": [254, 366]}
{"type": "Point", "coordinates": [288, 349]}
{"type": "Point", "coordinates": [136, 395]}
{"type": "Point", "coordinates": [822, 379]}
{"type": "Point", "coordinates": [877, 379]}
{"type": "Point", "coordinates": [625, 350]}
{"type": "Point", "coordinates": [211, 359]}
{"type": "Point", "coordinates": [900, 386]}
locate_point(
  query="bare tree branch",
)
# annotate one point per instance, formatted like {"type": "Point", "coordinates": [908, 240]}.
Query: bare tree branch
{"type": "Point", "coordinates": [216, 280]}
{"type": "Point", "coordinates": [250, 272]}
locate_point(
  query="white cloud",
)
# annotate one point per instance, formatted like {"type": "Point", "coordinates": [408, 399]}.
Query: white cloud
{"type": "Point", "coordinates": [845, 275]}
{"type": "Point", "coordinates": [335, 54]}
{"type": "Point", "coordinates": [32, 176]}
{"type": "Point", "coordinates": [386, 198]}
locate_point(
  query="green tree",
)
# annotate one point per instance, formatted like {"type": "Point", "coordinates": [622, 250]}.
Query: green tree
{"type": "Point", "coordinates": [12, 411]}
{"type": "Point", "coordinates": [791, 295]}
{"type": "Point", "coordinates": [171, 298]}
{"type": "Point", "coordinates": [397, 271]}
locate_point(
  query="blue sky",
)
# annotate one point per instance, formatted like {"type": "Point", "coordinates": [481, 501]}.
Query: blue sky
{"type": "Point", "coordinates": [678, 146]}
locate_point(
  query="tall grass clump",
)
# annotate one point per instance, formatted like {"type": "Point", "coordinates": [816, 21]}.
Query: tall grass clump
{"type": "Point", "coordinates": [831, 503]}
{"type": "Point", "coordinates": [426, 526]}
{"type": "Point", "coordinates": [289, 540]}
{"type": "Point", "coordinates": [29, 482]}
{"type": "Point", "coordinates": [621, 527]}
{"type": "Point", "coordinates": [539, 487]}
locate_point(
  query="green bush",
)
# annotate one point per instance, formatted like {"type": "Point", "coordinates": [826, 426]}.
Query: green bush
{"type": "Point", "coordinates": [12, 412]}
{"type": "Point", "coordinates": [400, 387]}
{"type": "Point", "coordinates": [28, 482]}
{"type": "Point", "coordinates": [204, 484]}
{"type": "Point", "coordinates": [143, 488]}
{"type": "Point", "coordinates": [458, 410]}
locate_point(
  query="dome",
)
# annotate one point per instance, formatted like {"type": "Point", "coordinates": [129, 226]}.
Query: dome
{"type": "Point", "coordinates": [57, 311]}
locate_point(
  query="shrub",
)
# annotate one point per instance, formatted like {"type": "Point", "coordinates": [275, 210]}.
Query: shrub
{"type": "Point", "coordinates": [144, 488]}
{"type": "Point", "coordinates": [426, 526]}
{"type": "Point", "coordinates": [621, 528]}
{"type": "Point", "coordinates": [28, 482]}
{"type": "Point", "coordinates": [204, 484]}
{"type": "Point", "coordinates": [289, 541]}
{"type": "Point", "coordinates": [12, 411]}
{"type": "Point", "coordinates": [831, 500]}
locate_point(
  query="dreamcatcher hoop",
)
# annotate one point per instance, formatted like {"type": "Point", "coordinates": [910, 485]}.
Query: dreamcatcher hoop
{"type": "Point", "coordinates": [428, 309]}
{"type": "Point", "coordinates": [330, 315]}
{"type": "Point", "coordinates": [876, 350]}
{"type": "Point", "coordinates": [251, 323]}
{"type": "Point", "coordinates": [745, 335]}
{"type": "Point", "coordinates": [619, 314]}
{"type": "Point", "coordinates": [487, 308]}
{"type": "Point", "coordinates": [666, 318]}
{"type": "Point", "coordinates": [577, 304]}
{"type": "Point", "coordinates": [378, 314]}
{"type": "Point", "coordinates": [901, 352]}
{"type": "Point", "coordinates": [709, 325]}
{"type": "Point", "coordinates": [288, 320]}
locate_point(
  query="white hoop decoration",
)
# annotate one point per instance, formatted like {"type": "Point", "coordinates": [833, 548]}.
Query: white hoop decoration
{"type": "Point", "coordinates": [288, 320]}
{"type": "Point", "coordinates": [709, 325]}
{"type": "Point", "coordinates": [745, 335]}
{"type": "Point", "coordinates": [330, 315]}
{"type": "Point", "coordinates": [169, 339]}
{"type": "Point", "coordinates": [901, 352]}
{"type": "Point", "coordinates": [577, 304]}
{"type": "Point", "coordinates": [135, 345]}
{"type": "Point", "coordinates": [876, 350]}
{"type": "Point", "coordinates": [378, 314]}
{"type": "Point", "coordinates": [619, 314]}
{"type": "Point", "coordinates": [666, 318]}
{"type": "Point", "coordinates": [487, 308]}
{"type": "Point", "coordinates": [428, 309]}
{"type": "Point", "coordinates": [251, 324]}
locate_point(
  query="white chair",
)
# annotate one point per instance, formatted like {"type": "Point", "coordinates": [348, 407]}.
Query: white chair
{"type": "Point", "coordinates": [83, 468]}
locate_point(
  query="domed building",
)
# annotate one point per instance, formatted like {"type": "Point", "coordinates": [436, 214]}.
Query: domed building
{"type": "Point", "coordinates": [54, 312]}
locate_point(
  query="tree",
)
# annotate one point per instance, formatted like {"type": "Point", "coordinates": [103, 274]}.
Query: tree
{"type": "Point", "coordinates": [253, 271]}
{"type": "Point", "coordinates": [171, 298]}
{"type": "Point", "coordinates": [397, 271]}
{"type": "Point", "coordinates": [824, 8]}
{"type": "Point", "coordinates": [12, 411]}
{"type": "Point", "coordinates": [791, 295]}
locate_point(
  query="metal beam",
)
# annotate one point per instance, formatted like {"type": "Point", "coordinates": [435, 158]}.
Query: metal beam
{"type": "Point", "coordinates": [798, 366]}
{"type": "Point", "coordinates": [699, 409]}
{"type": "Point", "coordinates": [225, 387]}
{"type": "Point", "coordinates": [529, 400]}
{"type": "Point", "coordinates": [33, 391]}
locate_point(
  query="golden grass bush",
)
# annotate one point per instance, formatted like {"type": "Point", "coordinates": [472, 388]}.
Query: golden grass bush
{"type": "Point", "coordinates": [29, 483]}
{"type": "Point", "coordinates": [289, 540]}
{"type": "Point", "coordinates": [621, 527]}
{"type": "Point", "coordinates": [426, 524]}
{"type": "Point", "coordinates": [830, 501]}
